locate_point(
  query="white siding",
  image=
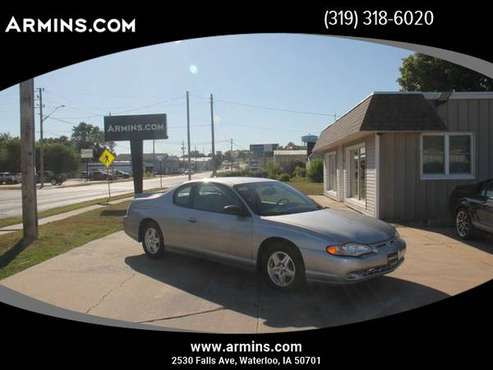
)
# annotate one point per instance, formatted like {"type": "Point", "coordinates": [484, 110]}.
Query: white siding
{"type": "Point", "coordinates": [368, 207]}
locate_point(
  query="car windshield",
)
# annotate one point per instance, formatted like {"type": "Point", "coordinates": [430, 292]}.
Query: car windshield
{"type": "Point", "coordinates": [271, 198]}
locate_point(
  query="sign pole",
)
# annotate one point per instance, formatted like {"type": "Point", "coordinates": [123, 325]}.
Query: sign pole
{"type": "Point", "coordinates": [188, 137]}
{"type": "Point", "coordinates": [108, 178]}
{"type": "Point", "coordinates": [136, 129]}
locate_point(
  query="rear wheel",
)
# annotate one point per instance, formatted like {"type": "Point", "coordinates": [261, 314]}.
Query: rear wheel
{"type": "Point", "coordinates": [282, 267]}
{"type": "Point", "coordinates": [463, 224]}
{"type": "Point", "coordinates": [152, 240]}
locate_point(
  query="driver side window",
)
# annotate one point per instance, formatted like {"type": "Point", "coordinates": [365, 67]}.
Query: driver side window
{"type": "Point", "coordinates": [213, 198]}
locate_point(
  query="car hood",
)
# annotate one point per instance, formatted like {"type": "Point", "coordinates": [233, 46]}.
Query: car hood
{"type": "Point", "coordinates": [339, 226]}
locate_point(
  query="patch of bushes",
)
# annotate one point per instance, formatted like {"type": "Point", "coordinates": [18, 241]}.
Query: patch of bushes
{"type": "Point", "coordinates": [299, 172]}
{"type": "Point", "coordinates": [284, 177]}
{"type": "Point", "coordinates": [242, 173]}
{"type": "Point", "coordinates": [315, 171]}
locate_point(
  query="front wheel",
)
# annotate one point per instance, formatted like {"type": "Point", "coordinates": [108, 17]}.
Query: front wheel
{"type": "Point", "coordinates": [463, 224]}
{"type": "Point", "coordinates": [283, 267]}
{"type": "Point", "coordinates": [152, 240]}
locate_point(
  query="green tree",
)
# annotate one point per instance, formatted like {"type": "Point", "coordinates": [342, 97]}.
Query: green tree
{"type": "Point", "coordinates": [61, 158]}
{"type": "Point", "coordinates": [272, 169]}
{"type": "Point", "coordinates": [425, 73]}
{"type": "Point", "coordinates": [87, 136]}
{"type": "Point", "coordinates": [315, 170]}
{"type": "Point", "coordinates": [10, 153]}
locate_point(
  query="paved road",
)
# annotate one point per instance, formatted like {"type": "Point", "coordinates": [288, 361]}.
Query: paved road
{"type": "Point", "coordinates": [111, 277]}
{"type": "Point", "coordinates": [52, 197]}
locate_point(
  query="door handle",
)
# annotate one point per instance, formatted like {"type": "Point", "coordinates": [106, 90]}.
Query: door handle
{"type": "Point", "coordinates": [192, 220]}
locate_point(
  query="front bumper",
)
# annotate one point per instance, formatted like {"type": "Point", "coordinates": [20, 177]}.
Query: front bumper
{"type": "Point", "coordinates": [322, 267]}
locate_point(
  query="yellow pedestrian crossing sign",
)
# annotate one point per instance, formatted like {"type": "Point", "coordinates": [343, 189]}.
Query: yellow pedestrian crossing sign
{"type": "Point", "coordinates": [106, 158]}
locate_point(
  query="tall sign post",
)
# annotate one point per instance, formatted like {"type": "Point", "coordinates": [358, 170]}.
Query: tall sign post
{"type": "Point", "coordinates": [86, 154]}
{"type": "Point", "coordinates": [29, 200]}
{"type": "Point", "coordinates": [136, 129]}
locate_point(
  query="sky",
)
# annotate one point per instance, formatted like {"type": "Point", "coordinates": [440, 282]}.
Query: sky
{"type": "Point", "coordinates": [268, 88]}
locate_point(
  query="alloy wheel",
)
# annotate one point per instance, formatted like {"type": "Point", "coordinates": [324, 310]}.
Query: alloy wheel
{"type": "Point", "coordinates": [152, 240]}
{"type": "Point", "coordinates": [463, 224]}
{"type": "Point", "coordinates": [281, 269]}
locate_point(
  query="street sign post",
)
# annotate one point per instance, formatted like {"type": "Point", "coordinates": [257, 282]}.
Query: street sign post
{"type": "Point", "coordinates": [136, 129]}
{"type": "Point", "coordinates": [106, 158]}
{"type": "Point", "coordinates": [87, 155]}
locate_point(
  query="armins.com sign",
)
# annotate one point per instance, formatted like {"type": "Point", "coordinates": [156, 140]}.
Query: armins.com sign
{"type": "Point", "coordinates": [135, 127]}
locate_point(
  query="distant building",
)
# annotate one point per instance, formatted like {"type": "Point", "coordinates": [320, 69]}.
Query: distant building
{"type": "Point", "coordinates": [260, 153]}
{"type": "Point", "coordinates": [263, 150]}
{"type": "Point", "coordinates": [201, 164]}
{"type": "Point", "coordinates": [285, 158]}
{"type": "Point", "coordinates": [125, 166]}
{"type": "Point", "coordinates": [167, 165]}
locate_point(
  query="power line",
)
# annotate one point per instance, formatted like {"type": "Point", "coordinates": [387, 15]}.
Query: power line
{"type": "Point", "coordinates": [269, 108]}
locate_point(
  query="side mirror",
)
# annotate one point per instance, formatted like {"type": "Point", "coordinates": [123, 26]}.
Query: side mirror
{"type": "Point", "coordinates": [233, 209]}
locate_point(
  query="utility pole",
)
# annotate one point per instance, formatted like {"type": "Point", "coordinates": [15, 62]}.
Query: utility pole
{"type": "Point", "coordinates": [231, 154]}
{"type": "Point", "coordinates": [153, 155]}
{"type": "Point", "coordinates": [182, 162]}
{"type": "Point", "coordinates": [212, 134]}
{"type": "Point", "coordinates": [29, 201]}
{"type": "Point", "coordinates": [188, 136]}
{"type": "Point", "coordinates": [41, 143]}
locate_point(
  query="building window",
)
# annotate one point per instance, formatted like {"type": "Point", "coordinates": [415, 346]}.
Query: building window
{"type": "Point", "coordinates": [447, 156]}
{"type": "Point", "coordinates": [332, 172]}
{"type": "Point", "coordinates": [434, 154]}
{"type": "Point", "coordinates": [357, 173]}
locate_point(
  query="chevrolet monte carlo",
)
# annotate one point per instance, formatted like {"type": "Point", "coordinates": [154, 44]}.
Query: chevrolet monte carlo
{"type": "Point", "coordinates": [268, 225]}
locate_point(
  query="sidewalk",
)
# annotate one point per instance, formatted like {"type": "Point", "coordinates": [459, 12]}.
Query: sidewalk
{"type": "Point", "coordinates": [60, 216]}
{"type": "Point", "coordinates": [67, 184]}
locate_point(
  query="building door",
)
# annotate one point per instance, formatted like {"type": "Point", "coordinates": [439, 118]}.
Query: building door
{"type": "Point", "coordinates": [331, 168]}
{"type": "Point", "coordinates": [356, 172]}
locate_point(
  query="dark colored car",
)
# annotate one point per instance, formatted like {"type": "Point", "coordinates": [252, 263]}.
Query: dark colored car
{"type": "Point", "coordinates": [52, 178]}
{"type": "Point", "coordinates": [121, 174]}
{"type": "Point", "coordinates": [473, 208]}
{"type": "Point", "coordinates": [8, 178]}
{"type": "Point", "coordinates": [100, 175]}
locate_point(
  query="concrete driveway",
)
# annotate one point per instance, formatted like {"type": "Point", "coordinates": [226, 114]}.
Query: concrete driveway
{"type": "Point", "coordinates": [111, 277]}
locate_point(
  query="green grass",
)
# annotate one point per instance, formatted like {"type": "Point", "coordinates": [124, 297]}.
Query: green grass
{"type": "Point", "coordinates": [58, 237]}
{"type": "Point", "coordinates": [307, 187]}
{"type": "Point", "coordinates": [71, 207]}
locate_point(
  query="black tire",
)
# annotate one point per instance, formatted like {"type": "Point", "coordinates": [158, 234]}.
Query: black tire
{"type": "Point", "coordinates": [295, 262]}
{"type": "Point", "coordinates": [463, 224]}
{"type": "Point", "coordinates": [154, 251]}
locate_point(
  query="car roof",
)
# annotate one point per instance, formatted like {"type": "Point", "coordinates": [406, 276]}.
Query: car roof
{"type": "Point", "coordinates": [231, 181]}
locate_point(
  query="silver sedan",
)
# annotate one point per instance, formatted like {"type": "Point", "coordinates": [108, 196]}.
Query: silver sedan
{"type": "Point", "coordinates": [268, 225]}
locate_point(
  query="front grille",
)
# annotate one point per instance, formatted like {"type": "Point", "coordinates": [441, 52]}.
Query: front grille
{"type": "Point", "coordinates": [378, 270]}
{"type": "Point", "coordinates": [383, 243]}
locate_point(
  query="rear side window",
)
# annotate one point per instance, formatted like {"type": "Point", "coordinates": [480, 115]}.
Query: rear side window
{"type": "Point", "coordinates": [183, 196]}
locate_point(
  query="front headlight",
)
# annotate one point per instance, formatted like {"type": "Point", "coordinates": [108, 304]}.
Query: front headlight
{"type": "Point", "coordinates": [349, 249]}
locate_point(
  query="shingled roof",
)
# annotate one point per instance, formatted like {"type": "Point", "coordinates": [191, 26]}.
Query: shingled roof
{"type": "Point", "coordinates": [383, 112]}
